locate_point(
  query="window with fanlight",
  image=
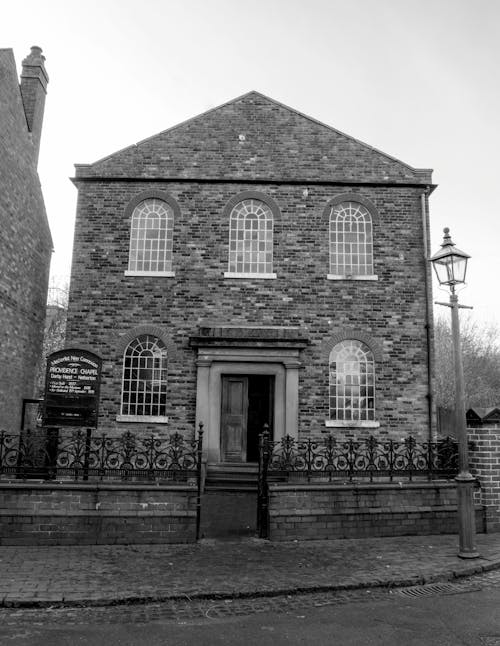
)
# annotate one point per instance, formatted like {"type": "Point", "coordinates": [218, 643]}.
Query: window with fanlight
{"type": "Point", "coordinates": [151, 238]}
{"type": "Point", "coordinates": [351, 241]}
{"type": "Point", "coordinates": [251, 239]}
{"type": "Point", "coordinates": [352, 382]}
{"type": "Point", "coordinates": [144, 383]}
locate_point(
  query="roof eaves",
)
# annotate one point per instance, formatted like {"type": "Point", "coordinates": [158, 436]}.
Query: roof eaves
{"type": "Point", "coordinates": [490, 411]}
{"type": "Point", "coordinates": [102, 159]}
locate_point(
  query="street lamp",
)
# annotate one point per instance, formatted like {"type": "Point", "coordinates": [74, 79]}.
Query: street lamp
{"type": "Point", "coordinates": [450, 265]}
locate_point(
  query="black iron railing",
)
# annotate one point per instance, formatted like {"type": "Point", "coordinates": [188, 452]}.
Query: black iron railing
{"type": "Point", "coordinates": [369, 458]}
{"type": "Point", "coordinates": [343, 461]}
{"type": "Point", "coordinates": [52, 454]}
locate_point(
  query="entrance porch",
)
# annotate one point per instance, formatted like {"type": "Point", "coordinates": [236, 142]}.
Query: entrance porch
{"type": "Point", "coordinates": [247, 377]}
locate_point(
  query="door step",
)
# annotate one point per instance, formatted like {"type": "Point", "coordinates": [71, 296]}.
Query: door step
{"type": "Point", "coordinates": [231, 477]}
{"type": "Point", "coordinates": [235, 477]}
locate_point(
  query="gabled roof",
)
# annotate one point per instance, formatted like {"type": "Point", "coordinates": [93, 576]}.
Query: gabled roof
{"type": "Point", "coordinates": [474, 413]}
{"type": "Point", "coordinates": [254, 137]}
{"type": "Point", "coordinates": [483, 414]}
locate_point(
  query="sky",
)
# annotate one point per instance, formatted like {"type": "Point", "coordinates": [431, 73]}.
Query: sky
{"type": "Point", "coordinates": [417, 80]}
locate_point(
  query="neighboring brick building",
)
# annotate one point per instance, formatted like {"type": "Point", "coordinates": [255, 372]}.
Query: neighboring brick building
{"type": "Point", "coordinates": [25, 241]}
{"type": "Point", "coordinates": [253, 265]}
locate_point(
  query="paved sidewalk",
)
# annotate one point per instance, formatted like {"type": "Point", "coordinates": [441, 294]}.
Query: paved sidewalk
{"type": "Point", "coordinates": [107, 575]}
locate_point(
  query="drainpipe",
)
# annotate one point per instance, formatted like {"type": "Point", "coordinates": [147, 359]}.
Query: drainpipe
{"type": "Point", "coordinates": [428, 310]}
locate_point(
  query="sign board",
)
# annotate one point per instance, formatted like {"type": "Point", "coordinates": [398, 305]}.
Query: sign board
{"type": "Point", "coordinates": [72, 384]}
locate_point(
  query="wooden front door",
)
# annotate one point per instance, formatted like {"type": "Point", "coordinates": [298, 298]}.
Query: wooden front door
{"type": "Point", "coordinates": [247, 404]}
{"type": "Point", "coordinates": [234, 419]}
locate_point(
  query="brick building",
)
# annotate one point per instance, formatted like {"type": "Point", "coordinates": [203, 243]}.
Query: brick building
{"type": "Point", "coordinates": [253, 265]}
{"type": "Point", "coordinates": [25, 241]}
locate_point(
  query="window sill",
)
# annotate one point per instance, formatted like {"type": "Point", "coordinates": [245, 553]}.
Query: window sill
{"type": "Point", "coordinates": [353, 277]}
{"type": "Point", "coordinates": [167, 274]}
{"type": "Point", "coordinates": [156, 419]}
{"type": "Point", "coordinates": [330, 423]}
{"type": "Point", "coordinates": [236, 274]}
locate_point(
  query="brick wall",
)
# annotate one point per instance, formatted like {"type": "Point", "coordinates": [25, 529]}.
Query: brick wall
{"type": "Point", "coordinates": [485, 465]}
{"type": "Point", "coordinates": [75, 514]}
{"type": "Point", "coordinates": [25, 250]}
{"type": "Point", "coordinates": [105, 304]}
{"type": "Point", "coordinates": [354, 511]}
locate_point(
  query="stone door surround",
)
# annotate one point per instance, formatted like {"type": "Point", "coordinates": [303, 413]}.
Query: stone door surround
{"type": "Point", "coordinates": [255, 350]}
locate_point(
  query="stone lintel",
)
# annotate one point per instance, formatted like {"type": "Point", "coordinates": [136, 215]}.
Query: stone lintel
{"type": "Point", "coordinates": [249, 336]}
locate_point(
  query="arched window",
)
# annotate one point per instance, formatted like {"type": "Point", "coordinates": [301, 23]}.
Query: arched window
{"type": "Point", "coordinates": [351, 241]}
{"type": "Point", "coordinates": [144, 386]}
{"type": "Point", "coordinates": [151, 237]}
{"type": "Point", "coordinates": [251, 238]}
{"type": "Point", "coordinates": [352, 382]}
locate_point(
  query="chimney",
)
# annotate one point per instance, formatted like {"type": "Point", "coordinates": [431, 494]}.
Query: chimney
{"type": "Point", "coordinates": [34, 81]}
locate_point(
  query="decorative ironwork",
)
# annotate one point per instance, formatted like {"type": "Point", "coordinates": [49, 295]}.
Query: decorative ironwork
{"type": "Point", "coordinates": [330, 460]}
{"type": "Point", "coordinates": [83, 455]}
{"type": "Point", "coordinates": [370, 458]}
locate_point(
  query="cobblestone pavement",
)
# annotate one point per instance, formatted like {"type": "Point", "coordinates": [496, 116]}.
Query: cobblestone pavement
{"type": "Point", "coordinates": [206, 610]}
{"type": "Point", "coordinates": [108, 575]}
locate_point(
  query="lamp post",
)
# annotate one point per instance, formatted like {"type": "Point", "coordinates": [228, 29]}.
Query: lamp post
{"type": "Point", "coordinates": [450, 265]}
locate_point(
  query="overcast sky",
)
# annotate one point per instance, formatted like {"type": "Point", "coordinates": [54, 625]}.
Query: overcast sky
{"type": "Point", "coordinates": [417, 79]}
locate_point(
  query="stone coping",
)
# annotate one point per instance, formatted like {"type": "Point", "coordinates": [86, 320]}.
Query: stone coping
{"type": "Point", "coordinates": [91, 513]}
{"type": "Point", "coordinates": [93, 486]}
{"type": "Point", "coordinates": [327, 486]}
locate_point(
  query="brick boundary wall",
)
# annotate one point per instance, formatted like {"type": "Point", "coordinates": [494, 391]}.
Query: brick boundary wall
{"type": "Point", "coordinates": [485, 465]}
{"type": "Point", "coordinates": [103, 514]}
{"type": "Point", "coordinates": [321, 511]}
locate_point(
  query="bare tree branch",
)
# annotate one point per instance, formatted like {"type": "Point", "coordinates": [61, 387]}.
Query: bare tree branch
{"type": "Point", "coordinates": [481, 359]}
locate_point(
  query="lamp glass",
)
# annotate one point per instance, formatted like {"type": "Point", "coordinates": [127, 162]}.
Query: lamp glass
{"type": "Point", "coordinates": [450, 269]}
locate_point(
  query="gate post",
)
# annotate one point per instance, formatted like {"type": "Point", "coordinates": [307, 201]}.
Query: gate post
{"type": "Point", "coordinates": [263, 488]}
{"type": "Point", "coordinates": [485, 466]}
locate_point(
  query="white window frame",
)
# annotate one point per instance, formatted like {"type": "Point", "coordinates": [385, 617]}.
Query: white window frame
{"type": "Point", "coordinates": [151, 239]}
{"type": "Point", "coordinates": [251, 225]}
{"type": "Point", "coordinates": [351, 385]}
{"type": "Point", "coordinates": [351, 242]}
{"type": "Point", "coordinates": [145, 354]}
